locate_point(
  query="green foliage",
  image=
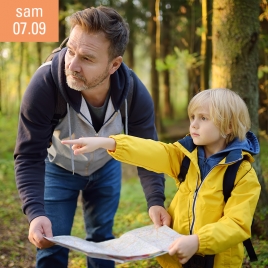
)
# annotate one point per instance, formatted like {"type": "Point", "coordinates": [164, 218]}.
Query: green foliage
{"type": "Point", "coordinates": [170, 63]}
{"type": "Point", "coordinates": [200, 30]}
{"type": "Point", "coordinates": [189, 60]}
{"type": "Point", "coordinates": [262, 70]}
{"type": "Point", "coordinates": [179, 58]}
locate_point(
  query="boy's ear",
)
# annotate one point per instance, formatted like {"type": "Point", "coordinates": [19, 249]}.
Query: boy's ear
{"type": "Point", "coordinates": [229, 130]}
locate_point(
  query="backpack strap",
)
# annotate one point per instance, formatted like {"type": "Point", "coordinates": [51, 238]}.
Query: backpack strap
{"type": "Point", "coordinates": [228, 185]}
{"type": "Point", "coordinates": [51, 56]}
{"type": "Point", "coordinates": [184, 169]}
{"type": "Point", "coordinates": [229, 179]}
{"type": "Point", "coordinates": [250, 250]}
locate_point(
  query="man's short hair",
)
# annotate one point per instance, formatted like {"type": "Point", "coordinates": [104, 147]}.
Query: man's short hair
{"type": "Point", "coordinates": [106, 20]}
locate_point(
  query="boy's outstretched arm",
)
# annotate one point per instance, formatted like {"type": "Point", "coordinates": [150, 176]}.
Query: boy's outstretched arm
{"type": "Point", "coordinates": [90, 144]}
{"type": "Point", "coordinates": [158, 214]}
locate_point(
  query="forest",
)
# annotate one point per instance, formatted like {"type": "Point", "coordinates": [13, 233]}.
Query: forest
{"type": "Point", "coordinates": [177, 48]}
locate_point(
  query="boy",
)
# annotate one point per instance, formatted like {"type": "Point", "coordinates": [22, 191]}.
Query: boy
{"type": "Point", "coordinates": [219, 137]}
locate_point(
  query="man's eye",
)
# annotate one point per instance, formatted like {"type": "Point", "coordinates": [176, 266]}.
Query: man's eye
{"type": "Point", "coordinates": [70, 52]}
{"type": "Point", "coordinates": [87, 59]}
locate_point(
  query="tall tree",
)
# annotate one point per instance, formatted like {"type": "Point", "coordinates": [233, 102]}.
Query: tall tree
{"type": "Point", "coordinates": [194, 46]}
{"type": "Point", "coordinates": [62, 25]}
{"type": "Point", "coordinates": [206, 45]}
{"type": "Point", "coordinates": [263, 68]}
{"type": "Point", "coordinates": [154, 74]}
{"type": "Point", "coordinates": [1, 76]}
{"type": "Point", "coordinates": [168, 32]}
{"type": "Point", "coordinates": [21, 59]}
{"type": "Point", "coordinates": [130, 20]}
{"type": "Point", "coordinates": [235, 58]}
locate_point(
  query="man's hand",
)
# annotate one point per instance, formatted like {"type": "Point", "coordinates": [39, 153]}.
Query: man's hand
{"type": "Point", "coordinates": [185, 247]}
{"type": "Point", "coordinates": [40, 227]}
{"type": "Point", "coordinates": [159, 216]}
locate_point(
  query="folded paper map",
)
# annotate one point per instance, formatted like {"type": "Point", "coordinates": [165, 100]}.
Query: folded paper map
{"type": "Point", "coordinates": [141, 243]}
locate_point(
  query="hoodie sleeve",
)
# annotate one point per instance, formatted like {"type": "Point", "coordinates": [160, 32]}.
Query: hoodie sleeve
{"type": "Point", "coordinates": [141, 123]}
{"type": "Point", "coordinates": [34, 131]}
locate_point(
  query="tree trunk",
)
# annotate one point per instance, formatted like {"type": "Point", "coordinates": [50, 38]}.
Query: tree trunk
{"type": "Point", "coordinates": [206, 45]}
{"type": "Point", "coordinates": [235, 59]}
{"type": "Point", "coordinates": [130, 47]}
{"type": "Point", "coordinates": [168, 109]}
{"type": "Point", "coordinates": [263, 81]}
{"type": "Point", "coordinates": [20, 71]}
{"type": "Point", "coordinates": [194, 73]}
{"type": "Point", "coordinates": [39, 53]}
{"type": "Point", "coordinates": [62, 25]}
{"type": "Point", "coordinates": [154, 73]}
{"type": "Point", "coordinates": [1, 77]}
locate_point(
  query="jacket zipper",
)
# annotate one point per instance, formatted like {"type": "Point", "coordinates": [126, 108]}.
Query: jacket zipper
{"type": "Point", "coordinates": [196, 193]}
{"type": "Point", "coordinates": [193, 208]}
{"type": "Point", "coordinates": [194, 202]}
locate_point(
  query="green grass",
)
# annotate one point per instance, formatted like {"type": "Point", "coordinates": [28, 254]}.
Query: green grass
{"type": "Point", "coordinates": [16, 250]}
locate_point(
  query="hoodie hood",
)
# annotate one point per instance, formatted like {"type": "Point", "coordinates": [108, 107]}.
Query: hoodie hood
{"type": "Point", "coordinates": [250, 144]}
{"type": "Point", "coordinates": [233, 152]}
{"type": "Point", "coordinates": [119, 83]}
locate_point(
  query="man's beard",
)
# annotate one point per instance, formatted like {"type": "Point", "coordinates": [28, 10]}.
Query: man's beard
{"type": "Point", "coordinates": [83, 84]}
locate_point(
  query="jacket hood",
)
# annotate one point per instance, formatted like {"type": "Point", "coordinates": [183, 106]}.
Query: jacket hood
{"type": "Point", "coordinates": [233, 150]}
{"type": "Point", "coordinates": [250, 144]}
{"type": "Point", "coordinates": [119, 83]}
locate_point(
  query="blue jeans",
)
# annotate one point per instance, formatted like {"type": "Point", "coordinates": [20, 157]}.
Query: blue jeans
{"type": "Point", "coordinates": [100, 198]}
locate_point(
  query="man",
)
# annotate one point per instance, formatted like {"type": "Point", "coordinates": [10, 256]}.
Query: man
{"type": "Point", "coordinates": [94, 81]}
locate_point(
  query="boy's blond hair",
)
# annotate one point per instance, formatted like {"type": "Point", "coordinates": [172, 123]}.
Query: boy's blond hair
{"type": "Point", "coordinates": [227, 110]}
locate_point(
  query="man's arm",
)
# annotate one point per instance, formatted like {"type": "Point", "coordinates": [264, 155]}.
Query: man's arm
{"type": "Point", "coordinates": [34, 130]}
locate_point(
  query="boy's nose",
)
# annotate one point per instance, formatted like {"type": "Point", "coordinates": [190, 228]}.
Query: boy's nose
{"type": "Point", "coordinates": [194, 124]}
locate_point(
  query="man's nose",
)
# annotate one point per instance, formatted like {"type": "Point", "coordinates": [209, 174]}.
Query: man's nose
{"type": "Point", "coordinates": [74, 64]}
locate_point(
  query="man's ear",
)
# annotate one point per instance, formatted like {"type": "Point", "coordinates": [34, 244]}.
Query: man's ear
{"type": "Point", "coordinates": [115, 64]}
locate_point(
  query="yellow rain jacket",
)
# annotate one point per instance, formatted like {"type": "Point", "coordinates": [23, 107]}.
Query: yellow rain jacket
{"type": "Point", "coordinates": [198, 207]}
